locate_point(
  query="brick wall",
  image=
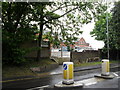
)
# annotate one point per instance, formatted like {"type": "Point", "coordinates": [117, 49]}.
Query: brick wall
{"type": "Point", "coordinates": [45, 51]}
{"type": "Point", "coordinates": [85, 56]}
{"type": "Point", "coordinates": [113, 54]}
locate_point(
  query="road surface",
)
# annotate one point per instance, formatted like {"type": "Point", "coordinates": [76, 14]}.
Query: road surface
{"type": "Point", "coordinates": [52, 79]}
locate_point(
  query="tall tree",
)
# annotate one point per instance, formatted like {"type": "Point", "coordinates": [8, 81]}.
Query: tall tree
{"type": "Point", "coordinates": [115, 25]}
{"type": "Point", "coordinates": [116, 29]}
{"type": "Point", "coordinates": [17, 19]}
{"type": "Point", "coordinates": [66, 29]}
{"type": "Point", "coordinates": [100, 29]}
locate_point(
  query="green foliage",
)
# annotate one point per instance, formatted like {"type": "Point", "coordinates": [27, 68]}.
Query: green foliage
{"type": "Point", "coordinates": [27, 50]}
{"type": "Point", "coordinates": [100, 29]}
{"type": "Point", "coordinates": [15, 30]}
{"type": "Point", "coordinates": [115, 25]}
{"type": "Point", "coordinates": [17, 24]}
{"type": "Point", "coordinates": [68, 48]}
{"type": "Point", "coordinates": [13, 56]}
{"type": "Point", "coordinates": [68, 25]}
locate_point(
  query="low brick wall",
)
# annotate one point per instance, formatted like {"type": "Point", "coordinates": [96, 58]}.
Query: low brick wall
{"type": "Point", "coordinates": [85, 56]}
{"type": "Point", "coordinates": [45, 51]}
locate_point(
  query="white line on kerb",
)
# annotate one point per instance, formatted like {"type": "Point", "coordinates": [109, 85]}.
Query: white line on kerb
{"type": "Point", "coordinates": [41, 88]}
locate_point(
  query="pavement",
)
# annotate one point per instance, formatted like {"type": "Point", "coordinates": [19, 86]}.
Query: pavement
{"type": "Point", "coordinates": [59, 70]}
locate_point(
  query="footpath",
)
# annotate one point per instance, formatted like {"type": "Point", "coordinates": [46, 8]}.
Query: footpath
{"type": "Point", "coordinates": [76, 69]}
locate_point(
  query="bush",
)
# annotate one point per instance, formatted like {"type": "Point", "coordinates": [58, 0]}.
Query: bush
{"type": "Point", "coordinates": [14, 56]}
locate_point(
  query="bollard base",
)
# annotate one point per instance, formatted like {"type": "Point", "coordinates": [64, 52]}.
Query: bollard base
{"type": "Point", "coordinates": [74, 85]}
{"type": "Point", "coordinates": [105, 74]}
{"type": "Point", "coordinates": [110, 76]}
{"type": "Point", "coordinates": [68, 83]}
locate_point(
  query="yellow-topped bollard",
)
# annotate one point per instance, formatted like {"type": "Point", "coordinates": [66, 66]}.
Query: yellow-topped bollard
{"type": "Point", "coordinates": [105, 67]}
{"type": "Point", "coordinates": [68, 75]}
{"type": "Point", "coordinates": [105, 70]}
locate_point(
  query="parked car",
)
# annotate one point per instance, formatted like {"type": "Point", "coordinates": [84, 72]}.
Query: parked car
{"type": "Point", "coordinates": [79, 50]}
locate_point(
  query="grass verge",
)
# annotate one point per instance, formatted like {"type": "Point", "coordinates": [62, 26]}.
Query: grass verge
{"type": "Point", "coordinates": [93, 63]}
{"type": "Point", "coordinates": [9, 71]}
{"type": "Point", "coordinates": [24, 70]}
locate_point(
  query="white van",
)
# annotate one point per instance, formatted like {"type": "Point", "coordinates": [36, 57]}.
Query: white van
{"type": "Point", "coordinates": [78, 49]}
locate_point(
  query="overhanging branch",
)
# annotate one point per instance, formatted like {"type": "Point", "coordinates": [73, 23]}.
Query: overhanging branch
{"type": "Point", "coordinates": [61, 15]}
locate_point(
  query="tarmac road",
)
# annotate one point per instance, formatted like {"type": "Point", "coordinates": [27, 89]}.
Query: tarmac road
{"type": "Point", "coordinates": [53, 79]}
{"type": "Point", "coordinates": [112, 83]}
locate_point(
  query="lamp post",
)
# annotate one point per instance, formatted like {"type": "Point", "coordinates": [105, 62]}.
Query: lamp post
{"type": "Point", "coordinates": [107, 33]}
{"type": "Point", "coordinates": [61, 47]}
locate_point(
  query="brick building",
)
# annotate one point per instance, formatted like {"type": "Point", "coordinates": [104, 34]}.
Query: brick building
{"type": "Point", "coordinates": [82, 45]}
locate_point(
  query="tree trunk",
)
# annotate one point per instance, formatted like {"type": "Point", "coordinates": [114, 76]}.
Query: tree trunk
{"type": "Point", "coordinates": [40, 43]}
{"type": "Point", "coordinates": [118, 55]}
{"type": "Point", "coordinates": [40, 36]}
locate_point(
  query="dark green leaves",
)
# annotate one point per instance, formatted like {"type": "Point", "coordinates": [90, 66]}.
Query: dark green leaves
{"type": "Point", "coordinates": [100, 30]}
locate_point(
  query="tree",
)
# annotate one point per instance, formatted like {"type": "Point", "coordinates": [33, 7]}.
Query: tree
{"type": "Point", "coordinates": [115, 25]}
{"type": "Point", "coordinates": [100, 29]}
{"type": "Point", "coordinates": [17, 18]}
{"type": "Point", "coordinates": [15, 24]}
{"type": "Point", "coordinates": [115, 28]}
{"type": "Point", "coordinates": [70, 25]}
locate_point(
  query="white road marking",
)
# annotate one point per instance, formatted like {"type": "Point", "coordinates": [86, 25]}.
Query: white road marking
{"type": "Point", "coordinates": [116, 74]}
{"type": "Point", "coordinates": [90, 81]}
{"type": "Point", "coordinates": [40, 88]}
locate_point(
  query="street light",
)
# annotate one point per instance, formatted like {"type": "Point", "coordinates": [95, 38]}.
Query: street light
{"type": "Point", "coordinates": [107, 33]}
{"type": "Point", "coordinates": [61, 47]}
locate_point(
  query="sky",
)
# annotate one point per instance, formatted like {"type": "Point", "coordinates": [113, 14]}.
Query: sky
{"type": "Point", "coordinates": [95, 44]}
{"type": "Point", "coordinates": [88, 38]}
